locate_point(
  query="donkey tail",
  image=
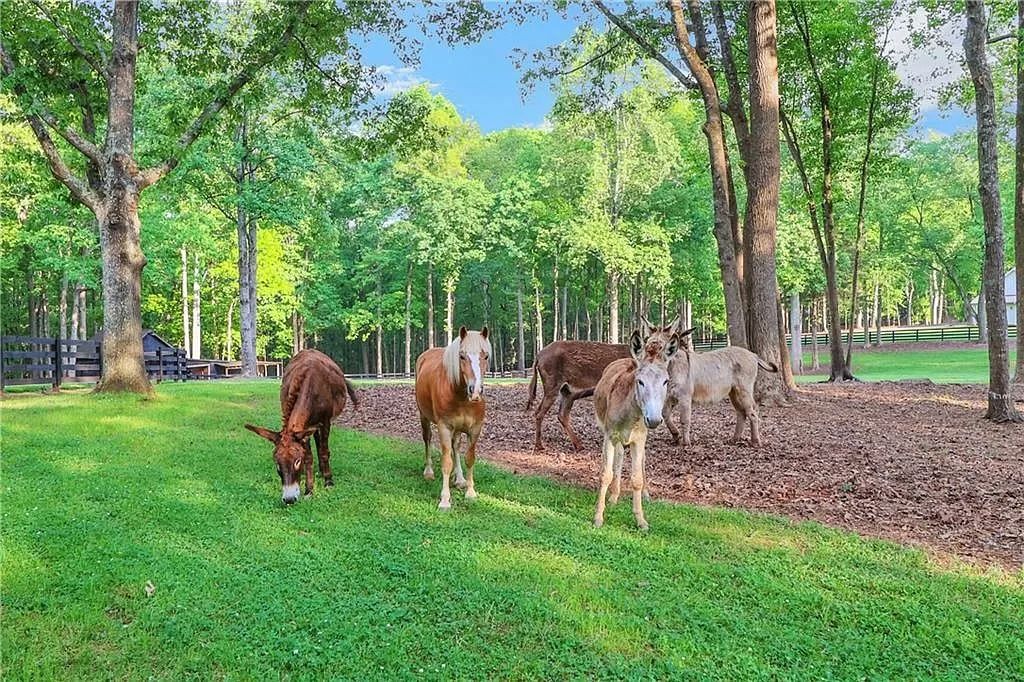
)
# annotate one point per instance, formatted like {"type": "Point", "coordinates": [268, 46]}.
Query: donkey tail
{"type": "Point", "coordinates": [531, 394]}
{"type": "Point", "coordinates": [351, 390]}
{"type": "Point", "coordinates": [768, 366]}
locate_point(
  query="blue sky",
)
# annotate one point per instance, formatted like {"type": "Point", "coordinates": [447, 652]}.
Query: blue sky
{"type": "Point", "coordinates": [484, 84]}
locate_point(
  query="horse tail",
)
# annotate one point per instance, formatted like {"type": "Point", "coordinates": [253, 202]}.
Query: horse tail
{"type": "Point", "coordinates": [351, 390]}
{"type": "Point", "coordinates": [531, 394]}
{"type": "Point", "coordinates": [765, 365]}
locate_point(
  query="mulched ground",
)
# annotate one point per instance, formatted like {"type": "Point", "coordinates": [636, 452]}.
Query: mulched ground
{"type": "Point", "coordinates": [913, 462]}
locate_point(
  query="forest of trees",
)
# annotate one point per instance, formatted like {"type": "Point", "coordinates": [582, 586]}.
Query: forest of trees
{"type": "Point", "coordinates": [288, 204]}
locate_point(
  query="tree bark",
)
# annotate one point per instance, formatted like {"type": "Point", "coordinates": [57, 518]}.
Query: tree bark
{"type": "Point", "coordinates": [878, 312]}
{"type": "Point", "coordinates": [796, 351]}
{"type": "Point", "coordinates": [431, 337]}
{"type": "Point", "coordinates": [763, 201]}
{"type": "Point", "coordinates": [815, 359]}
{"type": "Point", "coordinates": [197, 325]}
{"type": "Point", "coordinates": [228, 340]}
{"type": "Point", "coordinates": [1018, 211]}
{"type": "Point", "coordinates": [449, 308]}
{"type": "Point", "coordinates": [539, 318]}
{"type": "Point", "coordinates": [718, 155]}
{"type": "Point", "coordinates": [1000, 400]}
{"type": "Point", "coordinates": [613, 307]}
{"type": "Point", "coordinates": [63, 307]}
{"type": "Point", "coordinates": [520, 334]}
{"type": "Point", "coordinates": [186, 324]}
{"type": "Point", "coordinates": [408, 320]}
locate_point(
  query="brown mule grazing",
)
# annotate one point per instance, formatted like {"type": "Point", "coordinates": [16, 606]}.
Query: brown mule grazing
{"type": "Point", "coordinates": [628, 401]}
{"type": "Point", "coordinates": [449, 394]}
{"type": "Point", "coordinates": [313, 392]}
{"type": "Point", "coordinates": [568, 366]}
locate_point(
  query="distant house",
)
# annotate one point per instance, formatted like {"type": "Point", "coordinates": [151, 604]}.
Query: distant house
{"type": "Point", "coordinates": [1010, 289]}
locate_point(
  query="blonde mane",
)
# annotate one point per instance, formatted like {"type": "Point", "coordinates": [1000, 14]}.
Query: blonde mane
{"type": "Point", "coordinates": [473, 343]}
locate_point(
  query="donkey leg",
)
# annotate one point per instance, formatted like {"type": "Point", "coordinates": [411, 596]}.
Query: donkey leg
{"type": "Point", "coordinates": [307, 461]}
{"type": "Point", "coordinates": [323, 453]}
{"type": "Point", "coordinates": [474, 434]}
{"type": "Point", "coordinates": [542, 410]}
{"type": "Point", "coordinates": [668, 416]}
{"type": "Point", "coordinates": [460, 478]}
{"type": "Point", "coordinates": [686, 409]}
{"type": "Point", "coordinates": [606, 480]}
{"type": "Point", "coordinates": [428, 467]}
{"type": "Point", "coordinates": [564, 409]}
{"type": "Point", "coordinates": [746, 410]}
{"type": "Point", "coordinates": [741, 405]}
{"type": "Point", "coordinates": [617, 481]}
{"type": "Point", "coordinates": [446, 437]}
{"type": "Point", "coordinates": [636, 479]}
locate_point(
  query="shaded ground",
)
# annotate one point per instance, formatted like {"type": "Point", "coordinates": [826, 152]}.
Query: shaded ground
{"type": "Point", "coordinates": [910, 462]}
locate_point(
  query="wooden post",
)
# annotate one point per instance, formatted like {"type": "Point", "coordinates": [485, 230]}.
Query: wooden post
{"type": "Point", "coordinates": [58, 369]}
{"type": "Point", "coordinates": [159, 365]}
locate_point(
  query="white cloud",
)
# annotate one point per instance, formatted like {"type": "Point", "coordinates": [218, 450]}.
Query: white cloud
{"type": "Point", "coordinates": [396, 79]}
{"type": "Point", "coordinates": [929, 68]}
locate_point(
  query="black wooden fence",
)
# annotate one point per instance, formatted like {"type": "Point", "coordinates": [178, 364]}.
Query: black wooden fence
{"type": "Point", "coordinates": [42, 360]}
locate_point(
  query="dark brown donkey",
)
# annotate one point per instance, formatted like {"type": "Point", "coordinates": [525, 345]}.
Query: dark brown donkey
{"type": "Point", "coordinates": [313, 392]}
{"type": "Point", "coordinates": [575, 366]}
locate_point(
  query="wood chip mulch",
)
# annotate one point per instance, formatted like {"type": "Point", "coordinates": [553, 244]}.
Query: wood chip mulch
{"type": "Point", "coordinates": [912, 462]}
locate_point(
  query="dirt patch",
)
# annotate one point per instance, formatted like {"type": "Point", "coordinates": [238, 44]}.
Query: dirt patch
{"type": "Point", "coordinates": [912, 462]}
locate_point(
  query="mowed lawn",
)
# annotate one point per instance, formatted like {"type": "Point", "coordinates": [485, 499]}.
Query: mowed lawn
{"type": "Point", "coordinates": [955, 365]}
{"type": "Point", "coordinates": [102, 495]}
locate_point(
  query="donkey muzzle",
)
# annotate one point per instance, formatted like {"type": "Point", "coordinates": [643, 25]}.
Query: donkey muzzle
{"type": "Point", "coordinates": [290, 493]}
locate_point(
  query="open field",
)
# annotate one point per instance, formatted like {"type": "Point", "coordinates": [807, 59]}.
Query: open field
{"type": "Point", "coordinates": [946, 363]}
{"type": "Point", "coordinates": [102, 495]}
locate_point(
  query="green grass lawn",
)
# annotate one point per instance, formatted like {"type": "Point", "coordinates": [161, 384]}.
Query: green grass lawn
{"type": "Point", "coordinates": [368, 580]}
{"type": "Point", "coordinates": [952, 366]}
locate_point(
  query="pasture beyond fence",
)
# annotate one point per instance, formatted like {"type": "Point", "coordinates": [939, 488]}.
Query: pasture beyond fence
{"type": "Point", "coordinates": [40, 360]}
{"type": "Point", "coordinates": [33, 360]}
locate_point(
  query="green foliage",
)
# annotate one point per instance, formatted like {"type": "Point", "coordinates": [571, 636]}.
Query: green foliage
{"type": "Point", "coordinates": [367, 580]}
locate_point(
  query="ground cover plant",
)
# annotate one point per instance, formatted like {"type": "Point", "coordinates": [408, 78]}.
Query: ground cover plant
{"type": "Point", "coordinates": [146, 538]}
{"type": "Point", "coordinates": [949, 364]}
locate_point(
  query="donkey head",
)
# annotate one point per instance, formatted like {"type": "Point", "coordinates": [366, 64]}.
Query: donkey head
{"type": "Point", "coordinates": [651, 354]}
{"type": "Point", "coordinates": [290, 451]}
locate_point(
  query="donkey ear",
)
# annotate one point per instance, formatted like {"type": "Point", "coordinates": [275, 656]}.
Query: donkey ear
{"type": "Point", "coordinates": [462, 332]}
{"type": "Point", "coordinates": [484, 332]}
{"type": "Point", "coordinates": [673, 326]}
{"type": "Point", "coordinates": [689, 331]}
{"type": "Point", "coordinates": [272, 436]}
{"type": "Point", "coordinates": [636, 344]}
{"type": "Point", "coordinates": [673, 345]}
{"type": "Point", "coordinates": [647, 326]}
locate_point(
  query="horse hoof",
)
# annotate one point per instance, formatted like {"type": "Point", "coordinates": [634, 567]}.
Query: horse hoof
{"type": "Point", "coordinates": [643, 527]}
{"type": "Point", "coordinates": [329, 483]}
{"type": "Point", "coordinates": [598, 522]}
{"type": "Point", "coordinates": [471, 495]}
{"type": "Point", "coordinates": [461, 485]}
{"type": "Point", "coordinates": [613, 499]}
{"type": "Point", "coordinates": [444, 506]}
{"type": "Point", "coordinates": [428, 475]}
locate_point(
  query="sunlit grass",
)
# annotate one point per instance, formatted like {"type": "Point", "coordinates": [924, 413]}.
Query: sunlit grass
{"type": "Point", "coordinates": [952, 366]}
{"type": "Point", "coordinates": [367, 580]}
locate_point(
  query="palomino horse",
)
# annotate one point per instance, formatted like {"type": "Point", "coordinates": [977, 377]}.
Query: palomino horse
{"type": "Point", "coordinates": [629, 400]}
{"type": "Point", "coordinates": [449, 393]}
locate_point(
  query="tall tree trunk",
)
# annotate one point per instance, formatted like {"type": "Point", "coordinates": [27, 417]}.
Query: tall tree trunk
{"type": "Point", "coordinates": [909, 291]}
{"type": "Point", "coordinates": [1018, 211]}
{"type": "Point", "coordinates": [431, 337]}
{"type": "Point", "coordinates": [565, 309]}
{"type": "Point", "coordinates": [982, 317]}
{"type": "Point", "coordinates": [555, 304]}
{"type": "Point", "coordinates": [408, 320]}
{"type": "Point", "coordinates": [197, 325]}
{"type": "Point", "coordinates": [1000, 400]}
{"type": "Point", "coordinates": [228, 340]}
{"type": "Point", "coordinates": [539, 318]}
{"type": "Point", "coordinates": [63, 307]}
{"type": "Point", "coordinates": [796, 350]}
{"type": "Point", "coordinates": [520, 334]}
{"type": "Point", "coordinates": [613, 307]}
{"type": "Point", "coordinates": [763, 200]}
{"type": "Point", "coordinates": [718, 155]}
{"type": "Point", "coordinates": [449, 308]}
{"type": "Point", "coordinates": [878, 312]}
{"type": "Point", "coordinates": [186, 324]}
{"type": "Point", "coordinates": [815, 358]}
